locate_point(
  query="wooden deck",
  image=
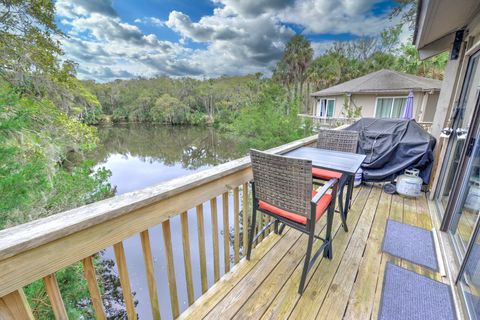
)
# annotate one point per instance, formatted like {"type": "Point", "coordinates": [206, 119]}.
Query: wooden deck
{"type": "Point", "coordinates": [348, 286]}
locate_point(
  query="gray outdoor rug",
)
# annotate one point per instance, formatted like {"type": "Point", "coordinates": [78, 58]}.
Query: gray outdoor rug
{"type": "Point", "coordinates": [407, 295]}
{"type": "Point", "coordinates": [410, 243]}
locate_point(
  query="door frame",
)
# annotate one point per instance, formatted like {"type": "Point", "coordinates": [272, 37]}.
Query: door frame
{"type": "Point", "coordinates": [458, 185]}
{"type": "Point", "coordinates": [445, 212]}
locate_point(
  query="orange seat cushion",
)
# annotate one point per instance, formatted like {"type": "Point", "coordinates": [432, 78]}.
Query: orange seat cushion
{"type": "Point", "coordinates": [322, 205]}
{"type": "Point", "coordinates": [325, 174]}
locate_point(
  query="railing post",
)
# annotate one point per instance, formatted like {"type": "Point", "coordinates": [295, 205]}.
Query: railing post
{"type": "Point", "coordinates": [150, 272]}
{"type": "Point", "coordinates": [214, 219]}
{"type": "Point", "coordinates": [95, 296]}
{"type": "Point", "coordinates": [226, 233]}
{"type": "Point", "coordinates": [15, 306]}
{"type": "Point", "coordinates": [186, 257]}
{"type": "Point", "coordinates": [236, 225]}
{"type": "Point", "coordinates": [245, 217]}
{"type": "Point", "coordinates": [201, 248]}
{"type": "Point", "coordinates": [125, 280]}
{"type": "Point", "coordinates": [58, 307]}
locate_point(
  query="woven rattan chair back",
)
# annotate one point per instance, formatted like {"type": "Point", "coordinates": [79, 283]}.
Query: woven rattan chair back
{"type": "Point", "coordinates": [283, 182]}
{"type": "Point", "coordinates": [338, 140]}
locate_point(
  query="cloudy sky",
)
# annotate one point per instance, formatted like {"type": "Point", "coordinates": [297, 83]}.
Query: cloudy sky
{"type": "Point", "coordinates": [122, 39]}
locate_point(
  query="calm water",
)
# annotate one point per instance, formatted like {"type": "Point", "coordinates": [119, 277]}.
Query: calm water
{"type": "Point", "coordinates": [141, 155]}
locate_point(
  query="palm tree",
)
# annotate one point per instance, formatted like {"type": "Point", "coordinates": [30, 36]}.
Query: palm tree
{"type": "Point", "coordinates": [291, 69]}
{"type": "Point", "coordinates": [325, 71]}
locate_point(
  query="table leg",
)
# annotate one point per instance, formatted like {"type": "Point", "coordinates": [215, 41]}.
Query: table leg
{"type": "Point", "coordinates": [349, 194]}
{"type": "Point", "coordinates": [341, 203]}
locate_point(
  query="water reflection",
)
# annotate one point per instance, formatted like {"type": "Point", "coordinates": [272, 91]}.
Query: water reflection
{"type": "Point", "coordinates": [143, 155]}
{"type": "Point", "coordinates": [191, 147]}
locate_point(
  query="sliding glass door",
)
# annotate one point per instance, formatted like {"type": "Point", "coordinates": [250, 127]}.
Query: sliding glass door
{"type": "Point", "coordinates": [457, 133]}
{"type": "Point", "coordinates": [458, 191]}
{"type": "Point", "coordinates": [465, 205]}
{"type": "Point", "coordinates": [465, 226]}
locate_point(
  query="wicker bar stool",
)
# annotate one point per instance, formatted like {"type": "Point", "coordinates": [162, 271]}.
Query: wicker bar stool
{"type": "Point", "coordinates": [282, 188]}
{"type": "Point", "coordinates": [338, 140]}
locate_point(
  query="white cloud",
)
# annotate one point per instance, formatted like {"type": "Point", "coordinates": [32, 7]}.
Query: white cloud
{"type": "Point", "coordinates": [107, 48]}
{"type": "Point", "coordinates": [239, 37]}
{"type": "Point", "coordinates": [150, 21]}
{"type": "Point", "coordinates": [255, 7]}
{"type": "Point", "coordinates": [343, 16]}
{"type": "Point", "coordinates": [236, 43]}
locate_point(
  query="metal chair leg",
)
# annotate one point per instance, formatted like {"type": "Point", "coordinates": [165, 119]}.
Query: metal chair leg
{"type": "Point", "coordinates": [281, 228]}
{"type": "Point", "coordinates": [342, 212]}
{"type": "Point", "coordinates": [328, 251]}
{"type": "Point", "coordinates": [252, 232]}
{"type": "Point", "coordinates": [342, 205]}
{"type": "Point", "coordinates": [307, 262]}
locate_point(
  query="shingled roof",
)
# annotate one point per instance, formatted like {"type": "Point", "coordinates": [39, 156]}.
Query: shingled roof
{"type": "Point", "coordinates": [382, 81]}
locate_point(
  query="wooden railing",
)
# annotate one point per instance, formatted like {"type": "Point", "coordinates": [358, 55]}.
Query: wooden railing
{"type": "Point", "coordinates": [320, 122]}
{"type": "Point", "coordinates": [37, 250]}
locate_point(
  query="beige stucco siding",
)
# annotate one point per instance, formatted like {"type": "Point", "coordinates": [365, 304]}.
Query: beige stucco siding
{"type": "Point", "coordinates": [368, 103]}
{"type": "Point", "coordinates": [431, 107]}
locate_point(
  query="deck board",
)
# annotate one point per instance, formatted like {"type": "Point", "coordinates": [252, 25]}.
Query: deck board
{"type": "Point", "coordinates": [348, 286]}
{"type": "Point", "coordinates": [361, 300]}
{"type": "Point", "coordinates": [280, 296]}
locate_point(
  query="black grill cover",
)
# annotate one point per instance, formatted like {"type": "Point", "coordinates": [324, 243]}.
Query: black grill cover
{"type": "Point", "coordinates": [393, 145]}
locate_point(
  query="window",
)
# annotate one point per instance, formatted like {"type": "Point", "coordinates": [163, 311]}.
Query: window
{"type": "Point", "coordinates": [390, 107]}
{"type": "Point", "coordinates": [325, 108]}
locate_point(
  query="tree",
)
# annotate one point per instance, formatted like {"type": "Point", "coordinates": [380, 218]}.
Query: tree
{"type": "Point", "coordinates": [350, 110]}
{"type": "Point", "coordinates": [407, 10]}
{"type": "Point", "coordinates": [270, 119]}
{"type": "Point", "coordinates": [390, 39]}
{"type": "Point", "coordinates": [409, 61]}
{"type": "Point", "coordinates": [27, 46]}
{"type": "Point", "coordinates": [291, 69]}
{"type": "Point", "coordinates": [325, 71]}
{"type": "Point", "coordinates": [169, 110]}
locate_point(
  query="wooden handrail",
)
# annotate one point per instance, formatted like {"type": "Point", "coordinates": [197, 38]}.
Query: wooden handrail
{"type": "Point", "coordinates": [27, 236]}
{"type": "Point", "coordinates": [78, 234]}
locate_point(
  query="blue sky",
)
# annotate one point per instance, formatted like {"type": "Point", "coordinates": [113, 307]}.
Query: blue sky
{"type": "Point", "coordinates": [204, 38]}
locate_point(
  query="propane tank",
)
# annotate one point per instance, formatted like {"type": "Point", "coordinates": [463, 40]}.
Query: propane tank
{"type": "Point", "coordinates": [358, 177]}
{"type": "Point", "coordinates": [410, 184]}
{"type": "Point", "coordinates": [472, 201]}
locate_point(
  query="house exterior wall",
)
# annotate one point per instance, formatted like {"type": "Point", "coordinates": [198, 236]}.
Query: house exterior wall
{"type": "Point", "coordinates": [431, 107]}
{"type": "Point", "coordinates": [368, 104]}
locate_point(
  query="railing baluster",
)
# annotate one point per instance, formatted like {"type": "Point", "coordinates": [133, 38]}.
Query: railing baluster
{"type": "Point", "coordinates": [260, 226]}
{"type": "Point", "coordinates": [245, 217]}
{"type": "Point", "coordinates": [270, 229]}
{"type": "Point", "coordinates": [95, 296]}
{"type": "Point", "coordinates": [214, 218]}
{"type": "Point", "coordinates": [236, 224]}
{"type": "Point", "coordinates": [186, 257]}
{"type": "Point", "coordinates": [149, 270]}
{"type": "Point", "coordinates": [124, 279]}
{"type": "Point", "coordinates": [201, 248]}
{"type": "Point", "coordinates": [226, 233]}
{"type": "Point", "coordinates": [15, 306]}
{"type": "Point", "coordinates": [172, 283]}
{"type": "Point", "coordinates": [55, 297]}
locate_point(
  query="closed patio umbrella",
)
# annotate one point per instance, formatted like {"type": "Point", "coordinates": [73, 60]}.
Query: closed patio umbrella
{"type": "Point", "coordinates": [408, 111]}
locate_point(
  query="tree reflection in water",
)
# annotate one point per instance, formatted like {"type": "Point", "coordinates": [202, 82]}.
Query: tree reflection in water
{"type": "Point", "coordinates": [192, 147]}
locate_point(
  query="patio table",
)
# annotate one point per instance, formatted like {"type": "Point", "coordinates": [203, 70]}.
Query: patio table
{"type": "Point", "coordinates": [344, 162]}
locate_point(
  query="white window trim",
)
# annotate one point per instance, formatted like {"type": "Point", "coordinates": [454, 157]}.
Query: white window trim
{"type": "Point", "coordinates": [318, 111]}
{"type": "Point", "coordinates": [393, 102]}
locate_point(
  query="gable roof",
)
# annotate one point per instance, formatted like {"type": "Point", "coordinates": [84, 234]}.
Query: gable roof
{"type": "Point", "coordinates": [382, 81]}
